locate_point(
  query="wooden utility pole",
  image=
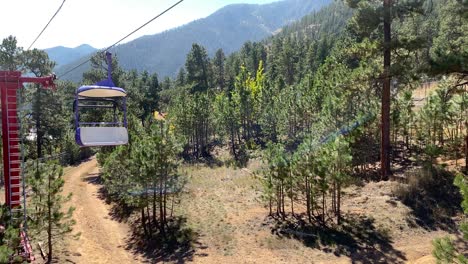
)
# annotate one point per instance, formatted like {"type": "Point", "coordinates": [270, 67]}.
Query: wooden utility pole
{"type": "Point", "coordinates": [385, 114]}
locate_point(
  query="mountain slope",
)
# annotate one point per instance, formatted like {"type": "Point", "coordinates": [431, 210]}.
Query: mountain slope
{"type": "Point", "coordinates": [63, 55]}
{"type": "Point", "coordinates": [228, 28]}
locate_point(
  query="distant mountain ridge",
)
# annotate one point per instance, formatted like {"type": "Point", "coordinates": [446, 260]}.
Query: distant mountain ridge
{"type": "Point", "coordinates": [64, 55]}
{"type": "Point", "coordinates": [228, 28]}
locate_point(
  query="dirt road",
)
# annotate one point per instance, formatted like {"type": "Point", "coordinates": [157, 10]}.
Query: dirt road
{"type": "Point", "coordinates": [102, 239]}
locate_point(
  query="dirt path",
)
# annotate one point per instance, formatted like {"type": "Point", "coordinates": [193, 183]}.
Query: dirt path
{"type": "Point", "coordinates": [102, 239]}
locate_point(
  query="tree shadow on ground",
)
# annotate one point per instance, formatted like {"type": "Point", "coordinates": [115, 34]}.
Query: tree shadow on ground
{"type": "Point", "coordinates": [404, 159]}
{"type": "Point", "coordinates": [432, 197]}
{"type": "Point", "coordinates": [208, 160]}
{"type": "Point", "coordinates": [369, 169]}
{"type": "Point", "coordinates": [357, 238]}
{"type": "Point", "coordinates": [119, 212]}
{"type": "Point", "coordinates": [177, 246]}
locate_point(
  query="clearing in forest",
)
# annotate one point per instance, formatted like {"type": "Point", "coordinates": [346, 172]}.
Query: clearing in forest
{"type": "Point", "coordinates": [222, 208]}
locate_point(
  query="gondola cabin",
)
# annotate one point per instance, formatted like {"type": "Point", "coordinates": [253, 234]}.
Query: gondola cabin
{"type": "Point", "coordinates": [101, 114]}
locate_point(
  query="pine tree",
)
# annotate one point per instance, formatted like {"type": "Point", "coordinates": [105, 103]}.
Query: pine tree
{"type": "Point", "coordinates": [9, 238]}
{"type": "Point", "coordinates": [10, 54]}
{"type": "Point", "coordinates": [197, 66]}
{"type": "Point", "coordinates": [219, 73]}
{"type": "Point", "coordinates": [374, 19]}
{"type": "Point", "coordinates": [50, 220]}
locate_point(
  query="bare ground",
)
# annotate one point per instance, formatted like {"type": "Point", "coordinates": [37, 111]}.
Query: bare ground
{"type": "Point", "coordinates": [102, 239]}
{"type": "Point", "coordinates": [223, 208]}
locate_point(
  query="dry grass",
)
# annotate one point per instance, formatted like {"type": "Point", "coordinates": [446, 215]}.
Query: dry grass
{"type": "Point", "coordinates": [432, 197]}
{"type": "Point", "coordinates": [2, 194]}
{"type": "Point", "coordinates": [222, 206]}
{"type": "Point", "coordinates": [420, 94]}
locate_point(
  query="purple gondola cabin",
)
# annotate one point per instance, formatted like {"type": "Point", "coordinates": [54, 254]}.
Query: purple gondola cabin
{"type": "Point", "coordinates": [102, 95]}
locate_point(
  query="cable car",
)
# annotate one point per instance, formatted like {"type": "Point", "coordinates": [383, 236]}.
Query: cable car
{"type": "Point", "coordinates": [94, 99]}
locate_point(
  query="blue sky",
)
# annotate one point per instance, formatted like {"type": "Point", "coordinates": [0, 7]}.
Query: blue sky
{"type": "Point", "coordinates": [98, 22]}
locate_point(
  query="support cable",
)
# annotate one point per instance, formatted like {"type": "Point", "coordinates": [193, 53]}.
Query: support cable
{"type": "Point", "coordinates": [122, 39]}
{"type": "Point", "coordinates": [52, 18]}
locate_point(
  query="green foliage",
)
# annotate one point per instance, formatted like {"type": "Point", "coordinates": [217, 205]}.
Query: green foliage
{"type": "Point", "coordinates": [302, 94]}
{"type": "Point", "coordinates": [449, 52]}
{"type": "Point", "coordinates": [197, 66]}
{"type": "Point", "coordinates": [9, 244]}
{"type": "Point", "coordinates": [461, 182]}
{"type": "Point", "coordinates": [145, 175]}
{"type": "Point", "coordinates": [45, 118]}
{"type": "Point", "coordinates": [441, 121]}
{"type": "Point", "coordinates": [444, 249]}
{"type": "Point", "coordinates": [10, 54]}
{"type": "Point", "coordinates": [310, 173]}
{"type": "Point", "coordinates": [116, 174]}
{"type": "Point", "coordinates": [50, 221]}
{"type": "Point", "coordinates": [9, 238]}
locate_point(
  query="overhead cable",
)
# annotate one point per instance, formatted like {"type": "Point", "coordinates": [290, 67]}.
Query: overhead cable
{"type": "Point", "coordinates": [122, 39]}
{"type": "Point", "coordinates": [52, 18]}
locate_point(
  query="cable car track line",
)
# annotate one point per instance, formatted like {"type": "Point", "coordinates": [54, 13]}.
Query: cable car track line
{"type": "Point", "coordinates": [145, 24]}
{"type": "Point", "coordinates": [122, 39]}
{"type": "Point", "coordinates": [52, 18]}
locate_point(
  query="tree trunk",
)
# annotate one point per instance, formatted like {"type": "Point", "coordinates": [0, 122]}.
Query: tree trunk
{"type": "Point", "coordinates": [291, 194]}
{"type": "Point", "coordinates": [338, 204]}
{"type": "Point", "coordinates": [150, 228]}
{"type": "Point", "coordinates": [466, 150]}
{"type": "Point", "coordinates": [271, 212]}
{"type": "Point", "coordinates": [307, 189]}
{"type": "Point", "coordinates": [49, 219]}
{"type": "Point", "coordinates": [385, 115]}
{"type": "Point", "coordinates": [282, 201]}
{"type": "Point", "coordinates": [323, 207]}
{"type": "Point", "coordinates": [161, 210]}
{"type": "Point", "coordinates": [143, 221]}
{"type": "Point", "coordinates": [165, 199]}
{"type": "Point", "coordinates": [172, 204]}
{"type": "Point", "coordinates": [333, 194]}
{"type": "Point", "coordinates": [292, 205]}
{"type": "Point", "coordinates": [278, 200]}
{"type": "Point", "coordinates": [233, 144]}
{"type": "Point", "coordinates": [155, 221]}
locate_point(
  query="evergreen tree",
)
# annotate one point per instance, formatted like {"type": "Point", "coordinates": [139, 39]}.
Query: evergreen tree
{"type": "Point", "coordinates": [10, 54]}
{"type": "Point", "coordinates": [9, 238]}
{"type": "Point", "coordinates": [197, 66]}
{"type": "Point", "coordinates": [373, 19]}
{"type": "Point", "coordinates": [219, 73]}
{"type": "Point", "coordinates": [50, 220]}
{"type": "Point", "coordinates": [448, 53]}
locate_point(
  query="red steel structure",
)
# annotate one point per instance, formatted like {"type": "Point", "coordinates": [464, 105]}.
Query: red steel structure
{"type": "Point", "coordinates": [10, 82]}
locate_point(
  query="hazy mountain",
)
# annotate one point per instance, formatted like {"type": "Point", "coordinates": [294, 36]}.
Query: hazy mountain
{"type": "Point", "coordinates": [63, 55]}
{"type": "Point", "coordinates": [227, 28]}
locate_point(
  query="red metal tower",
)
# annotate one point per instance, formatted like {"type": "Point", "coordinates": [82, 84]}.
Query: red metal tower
{"type": "Point", "coordinates": [10, 82]}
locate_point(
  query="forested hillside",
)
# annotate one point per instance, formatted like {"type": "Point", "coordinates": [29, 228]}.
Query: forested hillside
{"type": "Point", "coordinates": [341, 138]}
{"type": "Point", "coordinates": [228, 28]}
